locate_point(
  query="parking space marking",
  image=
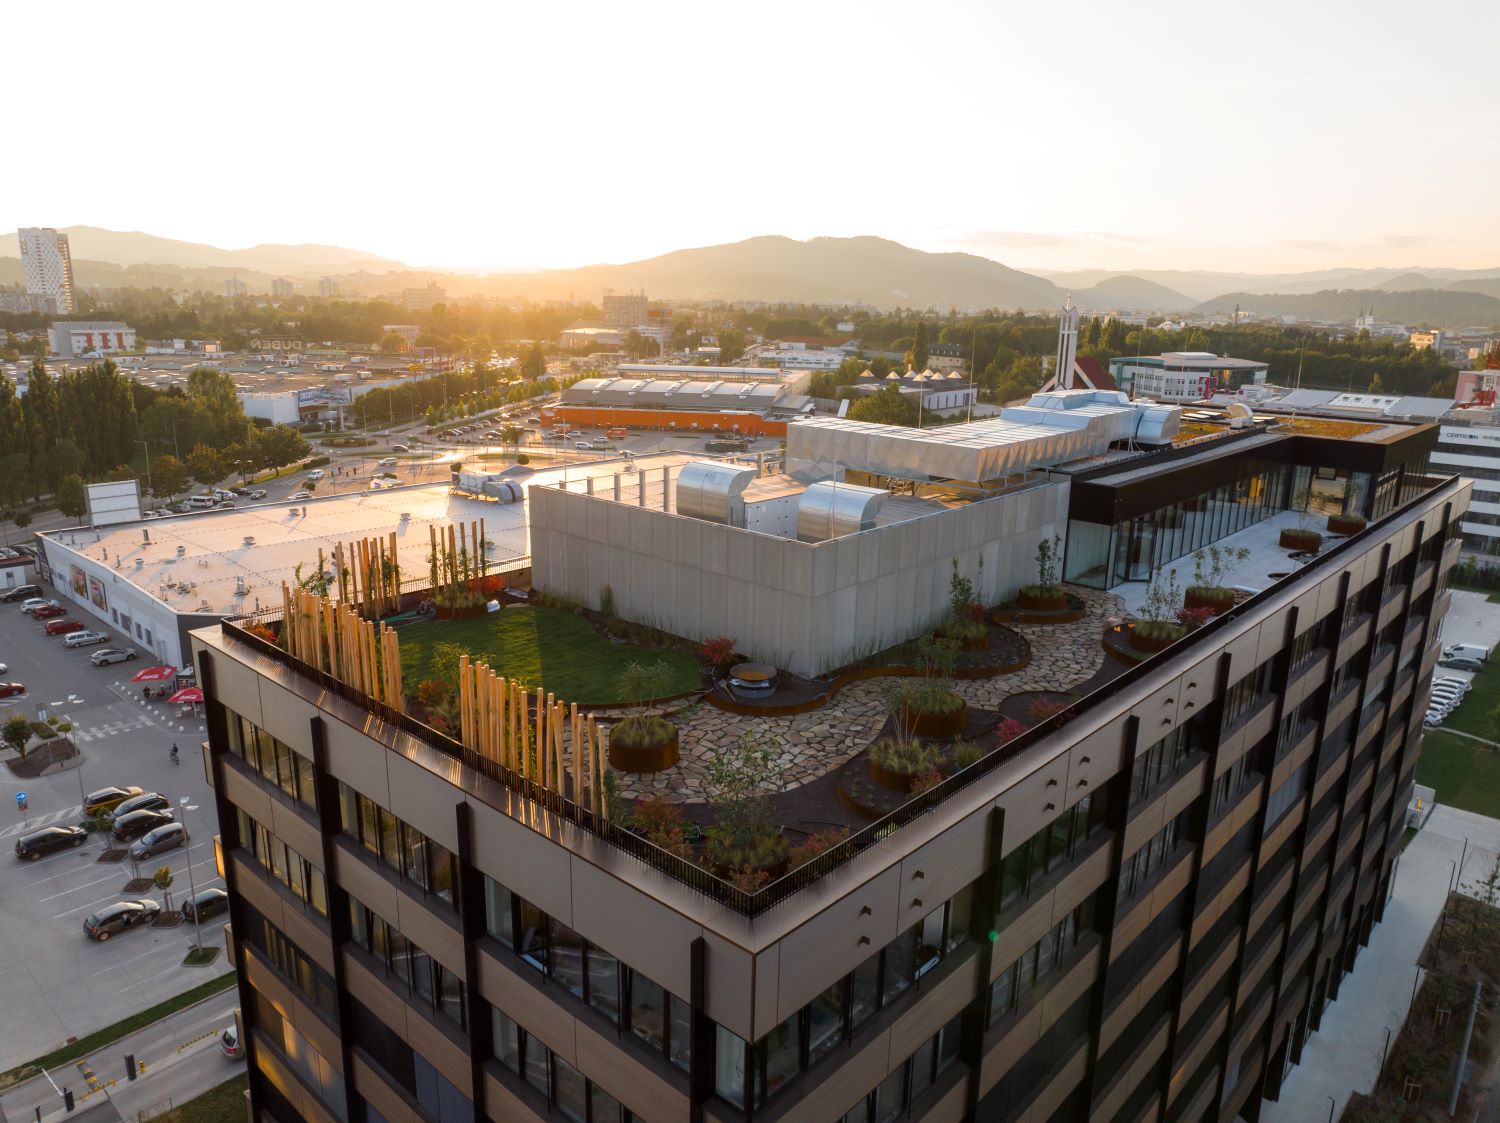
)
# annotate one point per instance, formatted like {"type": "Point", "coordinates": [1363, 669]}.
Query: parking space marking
{"type": "Point", "coordinates": [37, 822]}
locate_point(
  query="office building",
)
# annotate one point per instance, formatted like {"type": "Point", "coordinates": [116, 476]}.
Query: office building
{"type": "Point", "coordinates": [424, 298]}
{"type": "Point", "coordinates": [233, 286]}
{"type": "Point", "coordinates": [47, 268]}
{"type": "Point", "coordinates": [16, 300]}
{"type": "Point", "coordinates": [1184, 376]}
{"type": "Point", "coordinates": [625, 311]}
{"type": "Point", "coordinates": [1137, 908]}
{"type": "Point", "coordinates": [281, 288]}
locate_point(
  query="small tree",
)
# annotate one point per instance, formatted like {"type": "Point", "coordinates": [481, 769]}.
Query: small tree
{"type": "Point", "coordinates": [744, 834]}
{"type": "Point", "coordinates": [1211, 565]}
{"type": "Point", "coordinates": [16, 731]}
{"type": "Point", "coordinates": [162, 880]}
{"type": "Point", "coordinates": [1047, 553]}
{"type": "Point", "coordinates": [1159, 609]}
{"type": "Point", "coordinates": [642, 684]}
{"type": "Point", "coordinates": [70, 498]}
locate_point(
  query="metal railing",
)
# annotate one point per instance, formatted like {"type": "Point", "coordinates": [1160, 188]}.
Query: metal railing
{"type": "Point", "coordinates": [704, 881]}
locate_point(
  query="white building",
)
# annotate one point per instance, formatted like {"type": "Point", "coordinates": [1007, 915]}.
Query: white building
{"type": "Point", "coordinates": [235, 287]}
{"type": "Point", "coordinates": [281, 288]}
{"type": "Point", "coordinates": [75, 339]}
{"type": "Point", "coordinates": [47, 267]}
{"type": "Point", "coordinates": [624, 310]}
{"type": "Point", "coordinates": [1184, 376]}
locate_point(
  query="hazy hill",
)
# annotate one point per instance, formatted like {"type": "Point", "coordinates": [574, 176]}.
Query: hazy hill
{"type": "Point", "coordinates": [1130, 291]}
{"type": "Point", "coordinates": [121, 247]}
{"type": "Point", "coordinates": [822, 270]}
{"type": "Point", "coordinates": [1409, 282]}
{"type": "Point", "coordinates": [1206, 284]}
{"type": "Point", "coordinates": [1489, 286]}
{"type": "Point", "coordinates": [1439, 307]}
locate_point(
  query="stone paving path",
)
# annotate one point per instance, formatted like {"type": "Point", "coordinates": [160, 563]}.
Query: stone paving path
{"type": "Point", "coordinates": [814, 744]}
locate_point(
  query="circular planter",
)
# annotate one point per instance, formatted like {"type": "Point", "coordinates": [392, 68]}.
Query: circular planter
{"type": "Point", "coordinates": [1153, 643]}
{"type": "Point", "coordinates": [894, 781]}
{"type": "Point", "coordinates": [916, 723]}
{"type": "Point", "coordinates": [1346, 524]}
{"type": "Point", "coordinates": [644, 758]}
{"type": "Point", "coordinates": [1294, 539]}
{"type": "Point", "coordinates": [1216, 600]}
{"type": "Point", "coordinates": [1038, 603]}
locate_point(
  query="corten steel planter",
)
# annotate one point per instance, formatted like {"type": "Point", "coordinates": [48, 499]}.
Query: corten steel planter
{"type": "Point", "coordinates": [1037, 603]}
{"type": "Point", "coordinates": [895, 781]}
{"type": "Point", "coordinates": [1153, 643]}
{"type": "Point", "coordinates": [916, 723]}
{"type": "Point", "coordinates": [645, 758]}
{"type": "Point", "coordinates": [1308, 540]}
{"type": "Point", "coordinates": [1346, 524]}
{"type": "Point", "coordinates": [1217, 601]}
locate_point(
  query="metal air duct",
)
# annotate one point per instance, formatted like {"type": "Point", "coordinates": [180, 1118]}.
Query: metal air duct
{"type": "Point", "coordinates": [713, 492]}
{"type": "Point", "coordinates": [831, 510]}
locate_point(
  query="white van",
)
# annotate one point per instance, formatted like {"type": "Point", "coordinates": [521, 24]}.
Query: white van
{"type": "Point", "coordinates": [201, 502]}
{"type": "Point", "coordinates": [1466, 651]}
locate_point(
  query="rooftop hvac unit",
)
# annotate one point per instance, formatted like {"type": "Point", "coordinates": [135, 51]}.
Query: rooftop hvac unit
{"type": "Point", "coordinates": [181, 550]}
{"type": "Point", "coordinates": [1239, 414]}
{"type": "Point", "coordinates": [406, 516]}
{"type": "Point", "coordinates": [1157, 425]}
{"type": "Point", "coordinates": [831, 510]}
{"type": "Point", "coordinates": [249, 540]}
{"type": "Point", "coordinates": [140, 563]}
{"type": "Point", "coordinates": [713, 492]}
{"type": "Point", "coordinates": [239, 586]}
{"type": "Point", "coordinates": [506, 491]}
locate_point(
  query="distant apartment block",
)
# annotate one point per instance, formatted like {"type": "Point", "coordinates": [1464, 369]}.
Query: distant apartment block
{"type": "Point", "coordinates": [420, 300]}
{"type": "Point", "coordinates": [624, 310]}
{"type": "Point", "coordinates": [47, 266]}
{"type": "Point", "coordinates": [328, 287]}
{"type": "Point", "coordinates": [1423, 340]}
{"type": "Point", "coordinates": [16, 300]}
{"type": "Point", "coordinates": [235, 287]}
{"type": "Point", "coordinates": [281, 288]}
{"type": "Point", "coordinates": [84, 338]}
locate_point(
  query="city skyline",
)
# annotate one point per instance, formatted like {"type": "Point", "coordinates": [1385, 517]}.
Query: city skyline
{"type": "Point", "coordinates": [1181, 138]}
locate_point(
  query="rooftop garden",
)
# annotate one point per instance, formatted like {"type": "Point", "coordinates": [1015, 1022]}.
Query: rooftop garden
{"type": "Point", "coordinates": [1325, 427]}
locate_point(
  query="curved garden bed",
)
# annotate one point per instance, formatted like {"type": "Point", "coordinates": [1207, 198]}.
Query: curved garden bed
{"type": "Point", "coordinates": [1018, 611]}
{"type": "Point", "coordinates": [653, 756]}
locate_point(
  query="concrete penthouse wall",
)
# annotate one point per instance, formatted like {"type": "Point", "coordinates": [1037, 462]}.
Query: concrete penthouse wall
{"type": "Point", "coordinates": [808, 608]}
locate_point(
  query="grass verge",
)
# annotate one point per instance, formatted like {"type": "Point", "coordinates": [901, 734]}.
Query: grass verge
{"type": "Point", "coordinates": [101, 1037]}
{"type": "Point", "coordinates": [225, 1101]}
{"type": "Point", "coordinates": [1463, 773]}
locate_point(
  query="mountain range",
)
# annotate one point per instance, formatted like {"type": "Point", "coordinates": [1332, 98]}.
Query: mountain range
{"type": "Point", "coordinates": [772, 268]}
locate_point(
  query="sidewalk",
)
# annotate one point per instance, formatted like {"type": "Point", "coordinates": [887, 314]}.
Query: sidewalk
{"type": "Point", "coordinates": [182, 1058]}
{"type": "Point", "coordinates": [1344, 1055]}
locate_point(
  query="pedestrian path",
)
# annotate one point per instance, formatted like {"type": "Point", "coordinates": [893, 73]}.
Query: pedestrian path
{"type": "Point", "coordinates": [109, 729]}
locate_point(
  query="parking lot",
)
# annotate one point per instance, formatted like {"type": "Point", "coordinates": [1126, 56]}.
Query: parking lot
{"type": "Point", "coordinates": [55, 982]}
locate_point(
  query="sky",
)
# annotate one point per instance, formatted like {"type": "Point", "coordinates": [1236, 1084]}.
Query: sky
{"type": "Point", "coordinates": [1261, 137]}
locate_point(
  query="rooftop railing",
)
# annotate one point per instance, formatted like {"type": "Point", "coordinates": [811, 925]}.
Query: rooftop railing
{"type": "Point", "coordinates": [704, 881]}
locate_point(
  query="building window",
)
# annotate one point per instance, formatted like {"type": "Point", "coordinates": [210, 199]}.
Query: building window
{"type": "Point", "coordinates": [298, 1054]}
{"type": "Point", "coordinates": [574, 1095]}
{"type": "Point", "coordinates": [1039, 962]}
{"type": "Point", "coordinates": [292, 963]}
{"type": "Point", "coordinates": [433, 987]}
{"type": "Point", "coordinates": [1050, 848]}
{"type": "Point", "coordinates": [1245, 695]}
{"type": "Point", "coordinates": [1139, 868]}
{"type": "Point", "coordinates": [1161, 761]}
{"type": "Point", "coordinates": [902, 1089]}
{"type": "Point", "coordinates": [279, 765]}
{"type": "Point", "coordinates": [402, 848]}
{"type": "Point", "coordinates": [283, 863]}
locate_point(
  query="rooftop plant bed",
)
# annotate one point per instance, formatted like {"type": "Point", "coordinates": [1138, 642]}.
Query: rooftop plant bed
{"type": "Point", "coordinates": [548, 647]}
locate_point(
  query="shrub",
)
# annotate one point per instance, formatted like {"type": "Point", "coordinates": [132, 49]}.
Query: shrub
{"type": "Point", "coordinates": [716, 651]}
{"type": "Point", "coordinates": [964, 629]}
{"type": "Point", "coordinates": [1008, 730]}
{"type": "Point", "coordinates": [662, 824]}
{"type": "Point", "coordinates": [1211, 565]}
{"type": "Point", "coordinates": [607, 602]}
{"type": "Point", "coordinates": [1158, 630]}
{"type": "Point", "coordinates": [65, 727]}
{"type": "Point", "coordinates": [1041, 709]}
{"type": "Point", "coordinates": [639, 731]}
{"type": "Point", "coordinates": [813, 845]}
{"type": "Point", "coordinates": [925, 782]}
{"type": "Point", "coordinates": [923, 696]}
{"type": "Point", "coordinates": [966, 753]}
{"type": "Point", "coordinates": [1194, 618]}
{"type": "Point", "coordinates": [317, 462]}
{"type": "Point", "coordinates": [908, 757]}
{"type": "Point", "coordinates": [523, 459]}
{"type": "Point", "coordinates": [748, 879]}
{"type": "Point", "coordinates": [727, 848]}
{"type": "Point", "coordinates": [433, 692]}
{"type": "Point", "coordinates": [260, 631]}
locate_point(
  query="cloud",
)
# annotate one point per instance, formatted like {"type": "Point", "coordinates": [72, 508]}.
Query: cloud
{"type": "Point", "coordinates": [1010, 239]}
{"type": "Point", "coordinates": [1106, 236]}
{"type": "Point", "coordinates": [1404, 241]}
{"type": "Point", "coordinates": [1312, 244]}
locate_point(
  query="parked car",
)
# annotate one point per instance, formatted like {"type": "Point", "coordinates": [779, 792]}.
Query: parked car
{"type": "Point", "coordinates": [136, 823]}
{"type": "Point", "coordinates": [107, 655]}
{"type": "Point", "coordinates": [4, 667]}
{"type": "Point", "coordinates": [300, 495]}
{"type": "Point", "coordinates": [316, 474]}
{"type": "Point", "coordinates": [208, 902]}
{"type": "Point", "coordinates": [226, 505]}
{"type": "Point", "coordinates": [86, 638]}
{"type": "Point", "coordinates": [62, 627]}
{"type": "Point", "coordinates": [30, 847]}
{"type": "Point", "coordinates": [229, 1044]}
{"type": "Point", "coordinates": [169, 836]}
{"type": "Point", "coordinates": [400, 448]}
{"type": "Point", "coordinates": [1461, 663]}
{"type": "Point", "coordinates": [385, 462]}
{"type": "Point", "coordinates": [119, 916]}
{"type": "Point", "coordinates": [107, 799]}
{"type": "Point", "coordinates": [20, 592]}
{"type": "Point", "coordinates": [47, 611]}
{"type": "Point", "coordinates": [11, 689]}
{"type": "Point", "coordinates": [258, 493]}
{"type": "Point", "coordinates": [31, 604]}
{"type": "Point", "coordinates": [1466, 651]}
{"type": "Point", "coordinates": [146, 801]}
{"type": "Point", "coordinates": [242, 492]}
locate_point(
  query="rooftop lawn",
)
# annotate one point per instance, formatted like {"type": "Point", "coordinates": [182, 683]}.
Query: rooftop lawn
{"type": "Point", "coordinates": [1473, 713]}
{"type": "Point", "coordinates": [1465, 774]}
{"type": "Point", "coordinates": [547, 647]}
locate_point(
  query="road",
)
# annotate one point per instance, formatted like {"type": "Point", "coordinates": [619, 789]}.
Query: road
{"type": "Point", "coordinates": [182, 1058]}
{"type": "Point", "coordinates": [56, 983]}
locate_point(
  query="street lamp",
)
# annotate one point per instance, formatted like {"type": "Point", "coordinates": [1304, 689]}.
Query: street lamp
{"type": "Point", "coordinates": [192, 889]}
{"type": "Point", "coordinates": [147, 446]}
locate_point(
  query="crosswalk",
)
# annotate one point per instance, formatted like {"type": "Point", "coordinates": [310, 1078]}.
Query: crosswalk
{"type": "Point", "coordinates": [37, 822]}
{"type": "Point", "coordinates": [110, 728]}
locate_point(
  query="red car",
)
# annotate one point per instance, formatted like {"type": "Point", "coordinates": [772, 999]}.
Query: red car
{"type": "Point", "coordinates": [11, 689]}
{"type": "Point", "coordinates": [62, 627]}
{"type": "Point", "coordinates": [47, 611]}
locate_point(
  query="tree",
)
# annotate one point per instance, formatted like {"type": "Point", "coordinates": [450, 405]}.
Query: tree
{"type": "Point", "coordinates": [1376, 386]}
{"type": "Point", "coordinates": [206, 465]}
{"type": "Point", "coordinates": [70, 497]}
{"type": "Point", "coordinates": [392, 344]}
{"type": "Point", "coordinates": [279, 446]}
{"type": "Point", "coordinates": [916, 358]}
{"type": "Point", "coordinates": [534, 365]}
{"type": "Point", "coordinates": [23, 520]}
{"type": "Point", "coordinates": [16, 732]}
{"type": "Point", "coordinates": [169, 476]}
{"type": "Point", "coordinates": [163, 881]}
{"type": "Point", "coordinates": [888, 406]}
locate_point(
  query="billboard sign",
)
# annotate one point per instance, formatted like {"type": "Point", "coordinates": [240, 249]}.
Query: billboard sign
{"type": "Point", "coordinates": [118, 501]}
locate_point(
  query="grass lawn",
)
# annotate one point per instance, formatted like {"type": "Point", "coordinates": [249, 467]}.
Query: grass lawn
{"type": "Point", "coordinates": [1489, 594]}
{"type": "Point", "coordinates": [226, 1101]}
{"type": "Point", "coordinates": [1472, 715]}
{"type": "Point", "coordinates": [546, 647]}
{"type": "Point", "coordinates": [1464, 773]}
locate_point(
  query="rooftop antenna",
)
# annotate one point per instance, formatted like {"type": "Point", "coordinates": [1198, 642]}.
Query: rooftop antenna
{"type": "Point", "coordinates": [1302, 355]}
{"type": "Point", "coordinates": [1067, 343]}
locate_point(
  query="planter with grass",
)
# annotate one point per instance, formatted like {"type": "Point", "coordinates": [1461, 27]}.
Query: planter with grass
{"type": "Point", "coordinates": [1158, 629]}
{"type": "Point", "coordinates": [1299, 538]}
{"type": "Point", "coordinates": [968, 633]}
{"type": "Point", "coordinates": [1346, 524]}
{"type": "Point", "coordinates": [897, 762]}
{"type": "Point", "coordinates": [1211, 598]}
{"type": "Point", "coordinates": [927, 708]}
{"type": "Point", "coordinates": [758, 856]}
{"type": "Point", "coordinates": [643, 743]}
{"type": "Point", "coordinates": [1156, 635]}
{"type": "Point", "coordinates": [965, 626]}
{"type": "Point", "coordinates": [1211, 567]}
